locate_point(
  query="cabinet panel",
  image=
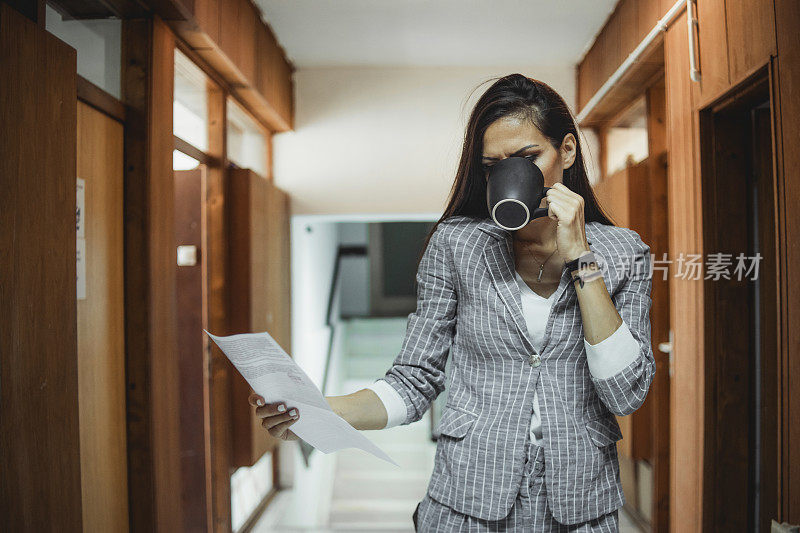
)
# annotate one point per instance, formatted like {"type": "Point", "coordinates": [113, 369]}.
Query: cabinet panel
{"type": "Point", "coordinates": [238, 20]}
{"type": "Point", "coordinates": [206, 13]}
{"type": "Point", "coordinates": [751, 22]}
{"type": "Point", "coordinates": [258, 259]}
{"type": "Point", "coordinates": [649, 12]}
{"type": "Point", "coordinates": [713, 49]}
{"type": "Point", "coordinates": [611, 59]}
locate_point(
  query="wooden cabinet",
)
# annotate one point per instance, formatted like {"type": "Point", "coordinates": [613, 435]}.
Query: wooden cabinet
{"type": "Point", "coordinates": [231, 37]}
{"type": "Point", "coordinates": [734, 39]}
{"type": "Point", "coordinates": [751, 35]}
{"type": "Point", "coordinates": [237, 37]}
{"type": "Point", "coordinates": [259, 295]}
{"type": "Point", "coordinates": [712, 49]}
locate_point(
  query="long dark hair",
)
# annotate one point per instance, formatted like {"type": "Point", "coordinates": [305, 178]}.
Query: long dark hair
{"type": "Point", "coordinates": [516, 95]}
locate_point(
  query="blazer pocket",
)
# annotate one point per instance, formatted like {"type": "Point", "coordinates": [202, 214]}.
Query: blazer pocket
{"type": "Point", "coordinates": [603, 430]}
{"type": "Point", "coordinates": [455, 422]}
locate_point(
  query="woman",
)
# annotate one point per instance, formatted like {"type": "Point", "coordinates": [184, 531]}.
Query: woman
{"type": "Point", "coordinates": [540, 363]}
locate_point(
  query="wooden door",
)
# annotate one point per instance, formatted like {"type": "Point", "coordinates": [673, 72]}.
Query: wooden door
{"type": "Point", "coordinates": [40, 471]}
{"type": "Point", "coordinates": [101, 323]}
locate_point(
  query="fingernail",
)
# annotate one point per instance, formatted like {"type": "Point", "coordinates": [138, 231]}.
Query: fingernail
{"type": "Point", "coordinates": [293, 412]}
{"type": "Point", "coordinates": [260, 402]}
{"type": "Point", "coordinates": [281, 408]}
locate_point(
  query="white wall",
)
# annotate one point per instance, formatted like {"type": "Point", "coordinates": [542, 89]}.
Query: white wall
{"type": "Point", "coordinates": [313, 255]}
{"type": "Point", "coordinates": [384, 139]}
{"type": "Point", "coordinates": [314, 244]}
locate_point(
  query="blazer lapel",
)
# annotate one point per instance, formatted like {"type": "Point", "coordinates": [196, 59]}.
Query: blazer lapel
{"type": "Point", "coordinates": [499, 259]}
{"type": "Point", "coordinates": [500, 263]}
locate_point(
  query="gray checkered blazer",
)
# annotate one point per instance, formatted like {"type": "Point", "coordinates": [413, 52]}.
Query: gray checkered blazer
{"type": "Point", "coordinates": [469, 306]}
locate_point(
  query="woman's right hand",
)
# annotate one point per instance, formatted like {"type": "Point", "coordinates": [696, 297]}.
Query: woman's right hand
{"type": "Point", "coordinates": [276, 417]}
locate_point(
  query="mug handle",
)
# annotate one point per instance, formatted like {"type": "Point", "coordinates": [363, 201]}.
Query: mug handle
{"type": "Point", "coordinates": [541, 211]}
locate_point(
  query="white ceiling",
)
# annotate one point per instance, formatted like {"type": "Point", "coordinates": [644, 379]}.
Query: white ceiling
{"type": "Point", "coordinates": [435, 32]}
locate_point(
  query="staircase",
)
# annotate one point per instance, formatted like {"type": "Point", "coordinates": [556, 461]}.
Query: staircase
{"type": "Point", "coordinates": [370, 494]}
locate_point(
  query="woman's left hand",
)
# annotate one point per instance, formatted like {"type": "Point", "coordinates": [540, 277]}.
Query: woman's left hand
{"type": "Point", "coordinates": [566, 207]}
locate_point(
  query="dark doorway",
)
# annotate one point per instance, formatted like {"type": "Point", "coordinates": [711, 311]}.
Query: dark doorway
{"type": "Point", "coordinates": [740, 482]}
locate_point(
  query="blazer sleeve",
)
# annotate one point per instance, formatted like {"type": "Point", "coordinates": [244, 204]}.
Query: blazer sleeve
{"type": "Point", "coordinates": [418, 371]}
{"type": "Point", "coordinates": [624, 392]}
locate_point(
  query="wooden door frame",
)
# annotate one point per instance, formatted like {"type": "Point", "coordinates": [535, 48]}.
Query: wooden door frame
{"type": "Point", "coordinates": [150, 305]}
{"type": "Point", "coordinates": [723, 375]}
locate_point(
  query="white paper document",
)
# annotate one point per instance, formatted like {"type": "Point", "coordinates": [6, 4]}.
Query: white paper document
{"type": "Point", "coordinates": [276, 377]}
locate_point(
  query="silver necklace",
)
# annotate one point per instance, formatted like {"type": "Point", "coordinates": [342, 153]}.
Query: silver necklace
{"type": "Point", "coordinates": [541, 265]}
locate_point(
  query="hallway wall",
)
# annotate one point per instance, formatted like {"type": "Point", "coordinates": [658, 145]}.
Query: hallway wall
{"type": "Point", "coordinates": [368, 140]}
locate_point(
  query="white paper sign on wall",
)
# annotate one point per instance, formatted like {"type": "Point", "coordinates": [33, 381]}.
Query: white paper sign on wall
{"type": "Point", "coordinates": [81, 269]}
{"type": "Point", "coordinates": [80, 209]}
{"type": "Point", "coordinates": [80, 254]}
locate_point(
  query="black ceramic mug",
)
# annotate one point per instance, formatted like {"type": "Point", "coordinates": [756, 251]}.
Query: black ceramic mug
{"type": "Point", "coordinates": [514, 190]}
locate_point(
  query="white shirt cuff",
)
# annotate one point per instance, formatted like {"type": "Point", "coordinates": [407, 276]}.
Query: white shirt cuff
{"type": "Point", "coordinates": [392, 401]}
{"type": "Point", "coordinates": [609, 356]}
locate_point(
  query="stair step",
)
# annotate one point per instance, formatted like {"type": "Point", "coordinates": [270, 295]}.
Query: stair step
{"type": "Point", "coordinates": [373, 512]}
{"type": "Point", "coordinates": [379, 488]}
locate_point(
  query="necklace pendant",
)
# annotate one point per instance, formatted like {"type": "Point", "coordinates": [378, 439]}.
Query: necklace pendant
{"type": "Point", "coordinates": [541, 269]}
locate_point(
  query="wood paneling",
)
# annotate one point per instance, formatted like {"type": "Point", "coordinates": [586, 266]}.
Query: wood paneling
{"type": "Point", "coordinates": [207, 16]}
{"type": "Point", "coordinates": [258, 247]}
{"type": "Point", "coordinates": [648, 14]}
{"type": "Point", "coordinates": [630, 87]}
{"type": "Point", "coordinates": [94, 96]}
{"type": "Point", "coordinates": [232, 39]}
{"type": "Point", "coordinates": [612, 193]}
{"type": "Point", "coordinates": [220, 368]}
{"type": "Point", "coordinates": [609, 48]}
{"type": "Point", "coordinates": [587, 76]}
{"type": "Point", "coordinates": [272, 95]}
{"type": "Point", "coordinates": [686, 295]}
{"type": "Point", "coordinates": [40, 474]}
{"type": "Point", "coordinates": [629, 35]}
{"type": "Point", "coordinates": [751, 22]}
{"type": "Point", "coordinates": [787, 17]}
{"type": "Point", "coordinates": [639, 219]}
{"type": "Point", "coordinates": [101, 335]}
{"type": "Point", "coordinates": [627, 26]}
{"type": "Point", "coordinates": [711, 50]}
{"type": "Point", "coordinates": [150, 320]}
{"type": "Point", "coordinates": [192, 345]}
{"type": "Point", "coordinates": [635, 197]}
{"type": "Point", "coordinates": [279, 268]}
{"type": "Point", "coordinates": [237, 37]}
{"type": "Point", "coordinates": [660, 311]}
{"type": "Point", "coordinates": [734, 40]}
{"type": "Point", "coordinates": [722, 56]}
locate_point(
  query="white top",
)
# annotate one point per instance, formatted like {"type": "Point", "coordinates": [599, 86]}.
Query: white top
{"type": "Point", "coordinates": [605, 359]}
{"type": "Point", "coordinates": [536, 309]}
